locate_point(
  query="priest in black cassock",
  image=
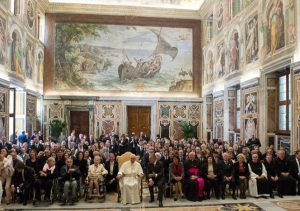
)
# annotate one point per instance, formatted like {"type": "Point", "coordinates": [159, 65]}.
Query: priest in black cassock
{"type": "Point", "coordinates": [258, 182]}
{"type": "Point", "coordinates": [193, 179]}
{"type": "Point", "coordinates": [286, 183]}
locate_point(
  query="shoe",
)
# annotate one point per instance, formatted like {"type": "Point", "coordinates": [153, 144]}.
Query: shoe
{"type": "Point", "coordinates": [298, 193]}
{"type": "Point", "coordinates": [272, 196]}
{"type": "Point", "coordinates": [175, 199]}
{"type": "Point", "coordinates": [24, 203]}
{"type": "Point", "coordinates": [160, 204]}
{"type": "Point", "coordinates": [217, 197]}
{"type": "Point", "coordinates": [223, 197]}
{"type": "Point", "coordinates": [151, 200]}
{"type": "Point", "coordinates": [72, 202]}
{"type": "Point", "coordinates": [234, 197]}
{"type": "Point", "coordinates": [280, 195]}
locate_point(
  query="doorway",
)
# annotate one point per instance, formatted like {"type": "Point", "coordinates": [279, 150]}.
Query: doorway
{"type": "Point", "coordinates": [139, 120]}
{"type": "Point", "coordinates": [80, 122]}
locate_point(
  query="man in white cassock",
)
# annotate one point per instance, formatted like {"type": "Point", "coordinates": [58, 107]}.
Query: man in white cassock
{"type": "Point", "coordinates": [130, 175]}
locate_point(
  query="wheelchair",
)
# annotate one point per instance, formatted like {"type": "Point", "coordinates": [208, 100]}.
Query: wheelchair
{"type": "Point", "coordinates": [58, 193]}
{"type": "Point", "coordinates": [53, 192]}
{"type": "Point", "coordinates": [102, 190]}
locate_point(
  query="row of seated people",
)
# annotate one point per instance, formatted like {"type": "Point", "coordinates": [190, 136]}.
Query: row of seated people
{"type": "Point", "coordinates": [260, 177]}
{"type": "Point", "coordinates": [193, 178]}
{"type": "Point", "coordinates": [28, 179]}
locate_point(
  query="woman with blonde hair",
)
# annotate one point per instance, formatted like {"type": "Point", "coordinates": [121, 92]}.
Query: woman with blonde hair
{"type": "Point", "coordinates": [241, 174]}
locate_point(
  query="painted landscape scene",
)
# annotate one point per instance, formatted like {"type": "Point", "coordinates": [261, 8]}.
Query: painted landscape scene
{"type": "Point", "coordinates": [123, 58]}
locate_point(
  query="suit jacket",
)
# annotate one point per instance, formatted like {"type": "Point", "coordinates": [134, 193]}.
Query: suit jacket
{"type": "Point", "coordinates": [110, 176]}
{"type": "Point", "coordinates": [67, 176]}
{"type": "Point", "coordinates": [158, 170]}
{"type": "Point", "coordinates": [38, 148]}
{"type": "Point", "coordinates": [27, 180]}
{"type": "Point", "coordinates": [226, 170]}
{"type": "Point", "coordinates": [270, 168]}
{"type": "Point", "coordinates": [294, 168]}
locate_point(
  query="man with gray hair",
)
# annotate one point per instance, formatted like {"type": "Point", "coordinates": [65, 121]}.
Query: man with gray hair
{"type": "Point", "coordinates": [155, 177]}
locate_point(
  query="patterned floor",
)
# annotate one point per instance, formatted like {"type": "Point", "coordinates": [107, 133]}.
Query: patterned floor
{"type": "Point", "coordinates": [291, 203]}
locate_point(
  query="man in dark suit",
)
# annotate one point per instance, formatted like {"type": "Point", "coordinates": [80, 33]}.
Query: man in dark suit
{"type": "Point", "coordinates": [295, 168]}
{"type": "Point", "coordinates": [253, 142]}
{"type": "Point", "coordinates": [227, 175]}
{"type": "Point", "coordinates": [112, 167]}
{"type": "Point", "coordinates": [36, 145]}
{"type": "Point", "coordinates": [155, 177]}
{"type": "Point", "coordinates": [22, 181]}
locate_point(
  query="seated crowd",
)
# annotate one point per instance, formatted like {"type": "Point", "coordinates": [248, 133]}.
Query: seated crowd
{"type": "Point", "coordinates": [196, 170]}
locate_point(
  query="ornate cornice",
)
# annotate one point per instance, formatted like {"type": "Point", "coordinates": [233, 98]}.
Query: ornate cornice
{"type": "Point", "coordinates": [122, 11]}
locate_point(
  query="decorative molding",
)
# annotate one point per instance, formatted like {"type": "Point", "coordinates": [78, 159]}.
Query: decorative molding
{"type": "Point", "coordinates": [249, 83]}
{"type": "Point", "coordinates": [276, 65]}
{"type": "Point", "coordinates": [122, 11]}
{"type": "Point", "coordinates": [296, 67]}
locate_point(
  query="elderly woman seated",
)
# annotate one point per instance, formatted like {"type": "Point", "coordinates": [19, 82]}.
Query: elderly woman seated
{"type": "Point", "coordinates": [96, 174]}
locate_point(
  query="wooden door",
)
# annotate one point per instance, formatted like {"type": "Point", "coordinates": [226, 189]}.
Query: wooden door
{"type": "Point", "coordinates": [80, 122]}
{"type": "Point", "coordinates": [139, 120]}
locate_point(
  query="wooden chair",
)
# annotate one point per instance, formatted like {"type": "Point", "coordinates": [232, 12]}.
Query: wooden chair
{"type": "Point", "coordinates": [122, 159]}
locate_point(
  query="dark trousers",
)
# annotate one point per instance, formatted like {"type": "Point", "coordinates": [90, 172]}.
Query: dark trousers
{"type": "Point", "coordinates": [160, 187]}
{"type": "Point", "coordinates": [212, 183]}
{"type": "Point", "coordinates": [45, 184]}
{"type": "Point", "coordinates": [287, 185]}
{"type": "Point", "coordinates": [231, 185]}
{"type": "Point", "coordinates": [24, 191]}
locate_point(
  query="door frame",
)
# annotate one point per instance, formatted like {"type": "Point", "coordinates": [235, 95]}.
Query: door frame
{"type": "Point", "coordinates": [70, 108]}
{"type": "Point", "coordinates": [145, 103]}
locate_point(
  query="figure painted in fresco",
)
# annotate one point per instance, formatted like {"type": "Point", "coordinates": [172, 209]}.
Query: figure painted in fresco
{"type": "Point", "coordinates": [276, 26]}
{"type": "Point", "coordinates": [250, 128]}
{"type": "Point", "coordinates": [252, 40]}
{"type": "Point", "coordinates": [16, 54]}
{"type": "Point", "coordinates": [2, 127]}
{"type": "Point", "coordinates": [29, 60]}
{"type": "Point", "coordinates": [221, 61]}
{"type": "Point", "coordinates": [219, 16]}
{"type": "Point", "coordinates": [250, 104]}
{"type": "Point", "coordinates": [40, 67]}
{"type": "Point", "coordinates": [210, 67]}
{"type": "Point", "coordinates": [2, 41]}
{"type": "Point", "coordinates": [30, 14]}
{"type": "Point", "coordinates": [234, 51]}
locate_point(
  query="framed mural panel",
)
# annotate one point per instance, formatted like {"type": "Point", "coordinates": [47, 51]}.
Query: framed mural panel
{"type": "Point", "coordinates": [3, 126]}
{"type": "Point", "coordinates": [250, 128]}
{"type": "Point", "coordinates": [3, 101]}
{"type": "Point", "coordinates": [250, 102]}
{"type": "Point", "coordinates": [94, 55]}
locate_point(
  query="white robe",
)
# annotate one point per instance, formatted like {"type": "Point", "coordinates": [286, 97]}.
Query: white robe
{"type": "Point", "coordinates": [252, 181]}
{"type": "Point", "coordinates": [130, 183]}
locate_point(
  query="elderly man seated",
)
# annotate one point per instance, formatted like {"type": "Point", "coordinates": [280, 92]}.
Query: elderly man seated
{"type": "Point", "coordinates": [96, 174]}
{"type": "Point", "coordinates": [130, 175]}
